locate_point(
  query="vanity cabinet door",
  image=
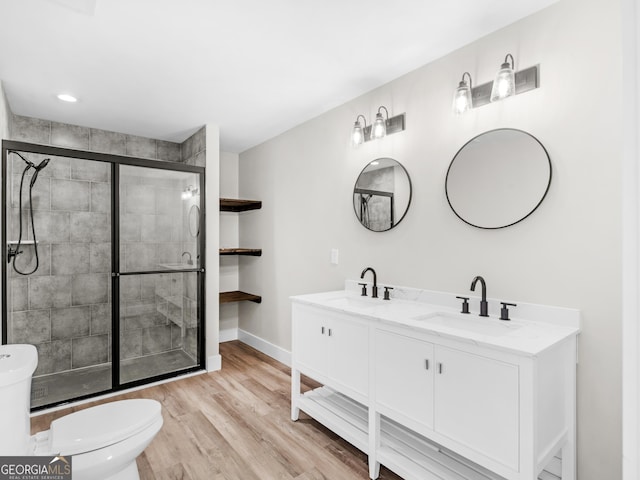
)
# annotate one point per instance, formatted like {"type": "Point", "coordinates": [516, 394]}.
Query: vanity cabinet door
{"type": "Point", "coordinates": [310, 329]}
{"type": "Point", "coordinates": [476, 404]}
{"type": "Point", "coordinates": [332, 349]}
{"type": "Point", "coordinates": [348, 356]}
{"type": "Point", "coordinates": [404, 378]}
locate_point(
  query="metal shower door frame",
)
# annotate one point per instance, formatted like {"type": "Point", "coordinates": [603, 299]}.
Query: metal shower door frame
{"type": "Point", "coordinates": [115, 161]}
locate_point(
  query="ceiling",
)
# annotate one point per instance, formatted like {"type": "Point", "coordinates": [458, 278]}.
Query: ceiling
{"type": "Point", "coordinates": [256, 68]}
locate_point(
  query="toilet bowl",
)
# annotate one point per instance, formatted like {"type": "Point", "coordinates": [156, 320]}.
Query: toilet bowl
{"type": "Point", "coordinates": [103, 441]}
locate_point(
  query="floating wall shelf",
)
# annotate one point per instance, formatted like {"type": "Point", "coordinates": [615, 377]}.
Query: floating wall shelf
{"type": "Point", "coordinates": [253, 252]}
{"type": "Point", "coordinates": [236, 205]}
{"type": "Point", "coordinates": [238, 296]}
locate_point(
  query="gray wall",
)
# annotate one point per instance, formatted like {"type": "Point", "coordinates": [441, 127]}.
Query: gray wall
{"type": "Point", "coordinates": [65, 307]}
{"type": "Point", "coordinates": [567, 253]}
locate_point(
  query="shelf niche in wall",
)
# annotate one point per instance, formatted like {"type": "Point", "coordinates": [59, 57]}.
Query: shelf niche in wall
{"type": "Point", "coordinates": [237, 205]}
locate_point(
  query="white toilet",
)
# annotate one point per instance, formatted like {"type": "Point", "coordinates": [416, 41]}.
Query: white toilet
{"type": "Point", "coordinates": [103, 441]}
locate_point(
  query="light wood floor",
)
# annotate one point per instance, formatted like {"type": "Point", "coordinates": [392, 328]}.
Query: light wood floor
{"type": "Point", "coordinates": [234, 424]}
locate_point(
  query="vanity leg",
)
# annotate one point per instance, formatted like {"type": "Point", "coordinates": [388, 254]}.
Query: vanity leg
{"type": "Point", "coordinates": [295, 393]}
{"type": "Point", "coordinates": [569, 459]}
{"type": "Point", "coordinates": [374, 443]}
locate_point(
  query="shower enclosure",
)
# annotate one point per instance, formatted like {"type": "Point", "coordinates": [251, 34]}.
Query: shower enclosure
{"type": "Point", "coordinates": [116, 299]}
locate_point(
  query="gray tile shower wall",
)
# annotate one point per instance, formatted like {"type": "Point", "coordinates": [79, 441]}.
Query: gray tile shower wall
{"type": "Point", "coordinates": [193, 149]}
{"type": "Point", "coordinates": [64, 308]}
{"type": "Point", "coordinates": [45, 132]}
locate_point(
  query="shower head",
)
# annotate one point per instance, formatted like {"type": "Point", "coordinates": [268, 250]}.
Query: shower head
{"type": "Point", "coordinates": [42, 164]}
{"type": "Point", "coordinates": [37, 169]}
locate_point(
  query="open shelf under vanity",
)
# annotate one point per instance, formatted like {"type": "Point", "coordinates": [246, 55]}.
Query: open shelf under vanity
{"type": "Point", "coordinates": [401, 450]}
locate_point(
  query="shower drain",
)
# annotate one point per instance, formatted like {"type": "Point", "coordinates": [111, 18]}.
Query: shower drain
{"type": "Point", "coordinates": [38, 393]}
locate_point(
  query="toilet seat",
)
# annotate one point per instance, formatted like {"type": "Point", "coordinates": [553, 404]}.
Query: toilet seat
{"type": "Point", "coordinates": [98, 427]}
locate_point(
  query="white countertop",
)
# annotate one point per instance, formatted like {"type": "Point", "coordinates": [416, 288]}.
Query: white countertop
{"type": "Point", "coordinates": [519, 336]}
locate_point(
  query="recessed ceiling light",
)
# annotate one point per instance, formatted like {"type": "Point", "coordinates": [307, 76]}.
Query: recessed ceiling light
{"type": "Point", "coordinates": [67, 98]}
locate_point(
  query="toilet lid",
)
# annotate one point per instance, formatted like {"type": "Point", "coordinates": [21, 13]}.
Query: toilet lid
{"type": "Point", "coordinates": [101, 426]}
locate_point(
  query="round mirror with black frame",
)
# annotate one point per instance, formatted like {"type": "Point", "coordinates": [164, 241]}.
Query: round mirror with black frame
{"type": "Point", "coordinates": [382, 194]}
{"type": "Point", "coordinates": [498, 178]}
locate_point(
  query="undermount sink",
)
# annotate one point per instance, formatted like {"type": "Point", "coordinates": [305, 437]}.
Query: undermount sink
{"type": "Point", "coordinates": [352, 302]}
{"type": "Point", "coordinates": [484, 326]}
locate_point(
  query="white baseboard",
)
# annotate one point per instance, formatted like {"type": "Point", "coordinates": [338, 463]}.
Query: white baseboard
{"type": "Point", "coordinates": [228, 334]}
{"type": "Point", "coordinates": [274, 351]}
{"type": "Point", "coordinates": [214, 363]}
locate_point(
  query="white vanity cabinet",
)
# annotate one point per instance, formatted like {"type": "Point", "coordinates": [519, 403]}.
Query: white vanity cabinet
{"type": "Point", "coordinates": [464, 399]}
{"type": "Point", "coordinates": [428, 399]}
{"type": "Point", "coordinates": [403, 379]}
{"type": "Point", "coordinates": [332, 348]}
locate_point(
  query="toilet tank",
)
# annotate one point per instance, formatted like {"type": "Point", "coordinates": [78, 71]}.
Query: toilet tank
{"type": "Point", "coordinates": [17, 364]}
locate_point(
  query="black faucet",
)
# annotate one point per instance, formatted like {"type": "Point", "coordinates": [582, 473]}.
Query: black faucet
{"type": "Point", "coordinates": [374, 290]}
{"type": "Point", "coordinates": [484, 306]}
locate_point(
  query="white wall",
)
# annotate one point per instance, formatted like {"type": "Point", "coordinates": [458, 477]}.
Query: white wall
{"type": "Point", "coordinates": [631, 247]}
{"type": "Point", "coordinates": [566, 254]}
{"type": "Point", "coordinates": [4, 114]}
{"type": "Point", "coordinates": [212, 285]}
{"type": "Point", "coordinates": [229, 239]}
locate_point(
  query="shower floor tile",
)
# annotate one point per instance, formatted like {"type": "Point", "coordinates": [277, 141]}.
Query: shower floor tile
{"type": "Point", "coordinates": [58, 387]}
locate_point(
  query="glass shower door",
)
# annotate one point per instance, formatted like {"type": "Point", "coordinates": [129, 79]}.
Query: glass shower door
{"type": "Point", "coordinates": [159, 278]}
{"type": "Point", "coordinates": [58, 243]}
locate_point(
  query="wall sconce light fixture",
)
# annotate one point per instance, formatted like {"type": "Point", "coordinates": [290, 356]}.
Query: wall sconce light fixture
{"type": "Point", "coordinates": [462, 100]}
{"type": "Point", "coordinates": [381, 127]}
{"type": "Point", "coordinates": [189, 192]}
{"type": "Point", "coordinates": [357, 136]}
{"type": "Point", "coordinates": [507, 83]}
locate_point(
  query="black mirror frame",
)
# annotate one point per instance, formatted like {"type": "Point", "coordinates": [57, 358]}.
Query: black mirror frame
{"type": "Point", "coordinates": [532, 210]}
{"type": "Point", "coordinates": [408, 202]}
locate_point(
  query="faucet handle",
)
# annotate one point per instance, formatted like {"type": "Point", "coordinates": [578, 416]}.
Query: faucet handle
{"type": "Point", "coordinates": [504, 311]}
{"type": "Point", "coordinates": [465, 304]}
{"type": "Point", "coordinates": [364, 289]}
{"type": "Point", "coordinates": [386, 293]}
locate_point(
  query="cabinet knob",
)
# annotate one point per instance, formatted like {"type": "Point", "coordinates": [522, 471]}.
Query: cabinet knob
{"type": "Point", "coordinates": [322, 330]}
{"type": "Point", "coordinates": [440, 368]}
{"type": "Point", "coordinates": [329, 332]}
{"type": "Point", "coordinates": [426, 364]}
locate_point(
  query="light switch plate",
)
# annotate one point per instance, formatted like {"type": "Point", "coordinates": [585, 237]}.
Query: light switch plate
{"type": "Point", "coordinates": [334, 256]}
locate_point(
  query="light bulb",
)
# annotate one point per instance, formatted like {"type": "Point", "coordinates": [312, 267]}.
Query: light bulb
{"type": "Point", "coordinates": [505, 83]}
{"type": "Point", "coordinates": [357, 136]}
{"type": "Point", "coordinates": [462, 98]}
{"type": "Point", "coordinates": [379, 128]}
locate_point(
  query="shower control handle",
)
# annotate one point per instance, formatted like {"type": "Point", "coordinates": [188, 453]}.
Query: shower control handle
{"type": "Point", "coordinates": [12, 253]}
